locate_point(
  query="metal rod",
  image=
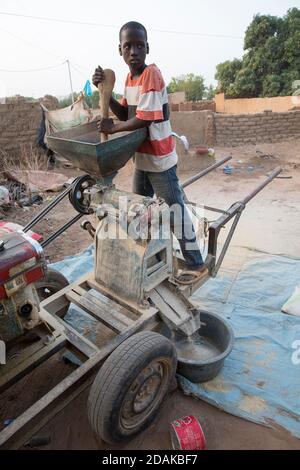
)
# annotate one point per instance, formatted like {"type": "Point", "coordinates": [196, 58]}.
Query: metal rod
{"type": "Point", "coordinates": [214, 209]}
{"type": "Point", "coordinates": [226, 244]}
{"type": "Point", "coordinates": [41, 412]}
{"type": "Point", "coordinates": [47, 209]}
{"type": "Point", "coordinates": [207, 208]}
{"type": "Point", "coordinates": [61, 230]}
{"type": "Point", "coordinates": [273, 175]}
{"type": "Point", "coordinates": [239, 206]}
{"type": "Point", "coordinates": [194, 178]}
{"type": "Point", "coordinates": [70, 78]}
{"type": "Point", "coordinates": [235, 210]}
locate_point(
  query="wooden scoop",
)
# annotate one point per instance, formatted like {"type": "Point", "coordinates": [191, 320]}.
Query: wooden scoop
{"type": "Point", "coordinates": [105, 89]}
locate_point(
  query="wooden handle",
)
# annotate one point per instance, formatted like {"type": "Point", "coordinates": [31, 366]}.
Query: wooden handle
{"type": "Point", "coordinates": [105, 89]}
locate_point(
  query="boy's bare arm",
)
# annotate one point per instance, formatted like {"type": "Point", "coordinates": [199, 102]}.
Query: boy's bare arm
{"type": "Point", "coordinates": [107, 126]}
{"type": "Point", "coordinates": [131, 125]}
{"type": "Point", "coordinates": [120, 111]}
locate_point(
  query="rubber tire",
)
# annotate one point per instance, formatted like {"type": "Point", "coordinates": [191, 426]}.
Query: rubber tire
{"type": "Point", "coordinates": [115, 378]}
{"type": "Point", "coordinates": [55, 281]}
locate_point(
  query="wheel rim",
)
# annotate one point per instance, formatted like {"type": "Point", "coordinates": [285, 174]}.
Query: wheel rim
{"type": "Point", "coordinates": [46, 291]}
{"type": "Point", "coordinates": [145, 394]}
{"type": "Point", "coordinates": [76, 195]}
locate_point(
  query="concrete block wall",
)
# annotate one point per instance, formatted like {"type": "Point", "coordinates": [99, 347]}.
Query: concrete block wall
{"type": "Point", "coordinates": [20, 121]}
{"type": "Point", "coordinates": [240, 129]}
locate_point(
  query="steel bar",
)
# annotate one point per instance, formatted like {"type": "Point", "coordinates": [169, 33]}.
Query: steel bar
{"type": "Point", "coordinates": [194, 178]}
{"type": "Point", "coordinates": [272, 176]}
{"type": "Point", "coordinates": [207, 208]}
{"type": "Point", "coordinates": [35, 417]}
{"type": "Point", "coordinates": [226, 244]}
{"type": "Point", "coordinates": [240, 206]}
{"type": "Point", "coordinates": [12, 375]}
{"type": "Point", "coordinates": [236, 209]}
{"type": "Point", "coordinates": [47, 209]}
{"type": "Point", "coordinates": [61, 230]}
{"type": "Point", "coordinates": [225, 218]}
{"type": "Point", "coordinates": [214, 209]}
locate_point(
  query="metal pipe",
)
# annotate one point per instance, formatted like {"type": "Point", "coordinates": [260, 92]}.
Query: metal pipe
{"type": "Point", "coordinates": [70, 78]}
{"type": "Point", "coordinates": [194, 178]}
{"type": "Point", "coordinates": [61, 230]}
{"type": "Point", "coordinates": [207, 208]}
{"type": "Point", "coordinates": [47, 209]}
{"type": "Point", "coordinates": [240, 205]}
{"type": "Point", "coordinates": [234, 211]}
{"type": "Point", "coordinates": [272, 176]}
{"type": "Point", "coordinates": [226, 244]}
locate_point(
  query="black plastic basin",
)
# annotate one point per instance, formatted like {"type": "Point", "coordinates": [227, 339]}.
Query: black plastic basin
{"type": "Point", "coordinates": [215, 343]}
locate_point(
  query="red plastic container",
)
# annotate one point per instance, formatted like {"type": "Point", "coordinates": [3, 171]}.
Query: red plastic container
{"type": "Point", "coordinates": [202, 150]}
{"type": "Point", "coordinates": [187, 434]}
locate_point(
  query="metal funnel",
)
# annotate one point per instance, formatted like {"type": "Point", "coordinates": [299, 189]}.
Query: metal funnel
{"type": "Point", "coordinates": [81, 146]}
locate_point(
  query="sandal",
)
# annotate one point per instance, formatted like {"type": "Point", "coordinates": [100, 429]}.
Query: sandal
{"type": "Point", "coordinates": [187, 278]}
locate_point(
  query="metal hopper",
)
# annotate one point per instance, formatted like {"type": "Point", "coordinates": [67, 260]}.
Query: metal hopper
{"type": "Point", "coordinates": [81, 145]}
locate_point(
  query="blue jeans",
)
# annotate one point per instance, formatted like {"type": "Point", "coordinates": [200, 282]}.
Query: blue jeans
{"type": "Point", "coordinates": [166, 185]}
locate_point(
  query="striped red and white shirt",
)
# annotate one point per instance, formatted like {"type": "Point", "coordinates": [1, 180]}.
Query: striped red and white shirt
{"type": "Point", "coordinates": [146, 98]}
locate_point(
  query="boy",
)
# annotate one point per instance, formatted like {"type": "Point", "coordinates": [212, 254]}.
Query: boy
{"type": "Point", "coordinates": [145, 104]}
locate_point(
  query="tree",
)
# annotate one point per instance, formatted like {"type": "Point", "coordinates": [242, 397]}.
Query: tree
{"type": "Point", "coordinates": [193, 85]}
{"type": "Point", "coordinates": [67, 100]}
{"type": "Point", "coordinates": [91, 101]}
{"type": "Point", "coordinates": [226, 73]}
{"type": "Point", "coordinates": [271, 62]}
{"type": "Point", "coordinates": [210, 92]}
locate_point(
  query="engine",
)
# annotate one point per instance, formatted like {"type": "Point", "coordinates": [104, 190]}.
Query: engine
{"type": "Point", "coordinates": [22, 263]}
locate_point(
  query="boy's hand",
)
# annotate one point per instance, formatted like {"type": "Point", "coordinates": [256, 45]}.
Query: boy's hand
{"type": "Point", "coordinates": [98, 76]}
{"type": "Point", "coordinates": [106, 126]}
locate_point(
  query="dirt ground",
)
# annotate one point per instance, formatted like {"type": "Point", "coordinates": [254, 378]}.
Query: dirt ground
{"type": "Point", "coordinates": [271, 223]}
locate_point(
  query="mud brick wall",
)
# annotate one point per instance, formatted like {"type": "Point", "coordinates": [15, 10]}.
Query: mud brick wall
{"type": "Point", "coordinates": [19, 122]}
{"type": "Point", "coordinates": [204, 105]}
{"type": "Point", "coordinates": [240, 129]}
{"type": "Point", "coordinates": [197, 126]}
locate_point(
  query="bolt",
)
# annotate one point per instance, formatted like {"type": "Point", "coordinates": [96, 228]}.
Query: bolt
{"type": "Point", "coordinates": [48, 339]}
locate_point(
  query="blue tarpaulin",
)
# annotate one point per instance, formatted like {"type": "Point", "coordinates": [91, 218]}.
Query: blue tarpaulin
{"type": "Point", "coordinates": [260, 380]}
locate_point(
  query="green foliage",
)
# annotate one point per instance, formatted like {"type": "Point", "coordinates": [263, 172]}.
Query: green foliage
{"type": "Point", "coordinates": [261, 28]}
{"type": "Point", "coordinates": [91, 101]}
{"type": "Point", "coordinates": [67, 101]}
{"type": "Point", "coordinates": [271, 85]}
{"type": "Point", "coordinates": [210, 92]}
{"type": "Point", "coordinates": [193, 85]}
{"type": "Point", "coordinates": [271, 62]}
{"type": "Point", "coordinates": [226, 73]}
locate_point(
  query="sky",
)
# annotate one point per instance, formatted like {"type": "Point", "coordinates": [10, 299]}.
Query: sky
{"type": "Point", "coordinates": [188, 36]}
